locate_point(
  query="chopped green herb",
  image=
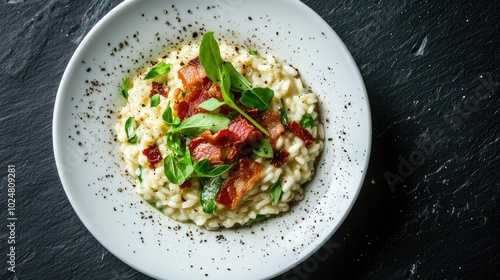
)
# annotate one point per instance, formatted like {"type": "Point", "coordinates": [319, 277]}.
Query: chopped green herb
{"type": "Point", "coordinates": [177, 170]}
{"type": "Point", "coordinates": [209, 193]}
{"type": "Point", "coordinates": [195, 125]}
{"type": "Point", "coordinates": [124, 89]}
{"type": "Point", "coordinates": [204, 169]}
{"type": "Point", "coordinates": [260, 217]}
{"type": "Point", "coordinates": [253, 52]}
{"type": "Point", "coordinates": [276, 192]}
{"type": "Point", "coordinates": [140, 174]}
{"type": "Point", "coordinates": [257, 98]}
{"type": "Point", "coordinates": [307, 121]}
{"type": "Point", "coordinates": [155, 100]}
{"type": "Point", "coordinates": [283, 114]}
{"type": "Point", "coordinates": [211, 104]}
{"type": "Point", "coordinates": [130, 127]}
{"type": "Point", "coordinates": [167, 117]}
{"type": "Point", "coordinates": [161, 68]}
{"type": "Point", "coordinates": [264, 149]}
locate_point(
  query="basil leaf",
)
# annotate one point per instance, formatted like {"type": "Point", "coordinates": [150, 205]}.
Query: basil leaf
{"type": "Point", "coordinates": [276, 192]}
{"type": "Point", "coordinates": [130, 127]}
{"type": "Point", "coordinates": [264, 149]}
{"type": "Point", "coordinates": [167, 117]}
{"type": "Point", "coordinates": [209, 193]}
{"type": "Point", "coordinates": [176, 143]}
{"type": "Point", "coordinates": [238, 81]}
{"type": "Point", "coordinates": [140, 174]}
{"type": "Point", "coordinates": [210, 57]}
{"type": "Point", "coordinates": [161, 68]}
{"type": "Point", "coordinates": [283, 114]}
{"type": "Point", "coordinates": [211, 104]}
{"type": "Point", "coordinates": [177, 170]}
{"type": "Point", "coordinates": [307, 121]}
{"type": "Point", "coordinates": [204, 169]}
{"type": "Point", "coordinates": [195, 125]}
{"type": "Point", "coordinates": [257, 98]}
{"type": "Point", "coordinates": [253, 52]}
{"type": "Point", "coordinates": [124, 89]}
{"type": "Point", "coordinates": [155, 100]}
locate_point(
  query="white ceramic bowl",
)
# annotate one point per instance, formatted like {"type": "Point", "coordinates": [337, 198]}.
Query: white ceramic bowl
{"type": "Point", "coordinates": [102, 194]}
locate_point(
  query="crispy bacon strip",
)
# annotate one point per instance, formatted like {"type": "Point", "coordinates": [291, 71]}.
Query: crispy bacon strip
{"type": "Point", "coordinates": [233, 189]}
{"type": "Point", "coordinates": [201, 148]}
{"type": "Point", "coordinates": [157, 88]}
{"type": "Point", "coordinates": [301, 132]}
{"type": "Point", "coordinates": [153, 154]}
{"type": "Point", "coordinates": [191, 75]}
{"type": "Point", "coordinates": [270, 120]}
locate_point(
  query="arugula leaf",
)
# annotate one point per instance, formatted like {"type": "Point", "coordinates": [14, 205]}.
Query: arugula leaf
{"type": "Point", "coordinates": [155, 100]}
{"type": "Point", "coordinates": [167, 117]}
{"type": "Point", "coordinates": [177, 170]}
{"type": "Point", "coordinates": [204, 169]}
{"type": "Point", "coordinates": [211, 104]}
{"type": "Point", "coordinates": [124, 89]}
{"type": "Point", "coordinates": [253, 52]}
{"type": "Point", "coordinates": [276, 192]}
{"type": "Point", "coordinates": [195, 125]}
{"type": "Point", "coordinates": [219, 71]}
{"type": "Point", "coordinates": [307, 121]}
{"type": "Point", "coordinates": [209, 193]}
{"type": "Point", "coordinates": [258, 98]}
{"type": "Point", "coordinates": [130, 127]}
{"type": "Point", "coordinates": [264, 149]}
{"type": "Point", "coordinates": [210, 57]}
{"type": "Point", "coordinates": [229, 97]}
{"type": "Point", "coordinates": [238, 81]}
{"type": "Point", "coordinates": [161, 68]}
{"type": "Point", "coordinates": [283, 114]}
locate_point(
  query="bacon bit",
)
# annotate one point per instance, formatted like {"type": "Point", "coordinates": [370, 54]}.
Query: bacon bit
{"type": "Point", "coordinates": [301, 132]}
{"type": "Point", "coordinates": [153, 154]}
{"type": "Point", "coordinates": [244, 130]}
{"type": "Point", "coordinates": [233, 189]}
{"type": "Point", "coordinates": [157, 88]}
{"type": "Point", "coordinates": [270, 120]}
{"type": "Point", "coordinates": [280, 157]}
{"type": "Point", "coordinates": [190, 106]}
{"type": "Point", "coordinates": [192, 76]}
{"type": "Point", "coordinates": [185, 185]}
{"type": "Point", "coordinates": [200, 148]}
{"type": "Point", "coordinates": [195, 61]}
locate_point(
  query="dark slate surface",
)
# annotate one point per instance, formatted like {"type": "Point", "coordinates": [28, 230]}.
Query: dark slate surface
{"type": "Point", "coordinates": [428, 208]}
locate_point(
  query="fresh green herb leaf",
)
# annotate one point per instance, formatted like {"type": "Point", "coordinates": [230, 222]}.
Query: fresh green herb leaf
{"type": "Point", "coordinates": [283, 114]}
{"type": "Point", "coordinates": [264, 149]}
{"type": "Point", "coordinates": [124, 89]}
{"type": "Point", "coordinates": [167, 117]}
{"type": "Point", "coordinates": [209, 193]}
{"type": "Point", "coordinates": [219, 71]}
{"type": "Point", "coordinates": [176, 143]}
{"type": "Point", "coordinates": [177, 170]}
{"type": "Point", "coordinates": [210, 57]}
{"type": "Point", "coordinates": [140, 174]}
{"type": "Point", "coordinates": [257, 98]}
{"type": "Point", "coordinates": [195, 125]}
{"type": "Point", "coordinates": [276, 192]}
{"type": "Point", "coordinates": [260, 217]}
{"type": "Point", "coordinates": [229, 98]}
{"type": "Point", "coordinates": [253, 52]}
{"type": "Point", "coordinates": [155, 100]}
{"type": "Point", "coordinates": [204, 169]}
{"type": "Point", "coordinates": [211, 104]}
{"type": "Point", "coordinates": [161, 68]}
{"type": "Point", "coordinates": [307, 121]}
{"type": "Point", "coordinates": [238, 81]}
{"type": "Point", "coordinates": [130, 127]}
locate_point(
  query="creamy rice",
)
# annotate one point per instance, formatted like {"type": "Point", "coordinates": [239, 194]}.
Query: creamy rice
{"type": "Point", "coordinates": [184, 204]}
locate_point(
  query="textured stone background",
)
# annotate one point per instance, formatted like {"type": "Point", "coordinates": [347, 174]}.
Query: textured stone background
{"type": "Point", "coordinates": [432, 71]}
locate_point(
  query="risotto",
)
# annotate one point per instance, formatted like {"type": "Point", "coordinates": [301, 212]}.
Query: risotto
{"type": "Point", "coordinates": [219, 135]}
